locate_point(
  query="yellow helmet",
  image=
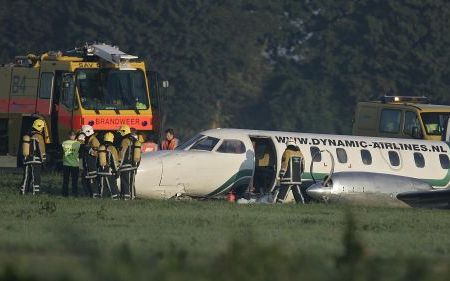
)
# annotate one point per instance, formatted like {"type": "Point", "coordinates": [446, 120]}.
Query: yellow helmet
{"type": "Point", "coordinates": [109, 137]}
{"type": "Point", "coordinates": [38, 125]}
{"type": "Point", "coordinates": [124, 130]}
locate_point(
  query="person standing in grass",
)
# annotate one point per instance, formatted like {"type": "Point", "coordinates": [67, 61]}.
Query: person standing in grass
{"type": "Point", "coordinates": [71, 163]}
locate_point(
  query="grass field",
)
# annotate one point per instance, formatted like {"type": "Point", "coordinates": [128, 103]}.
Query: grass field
{"type": "Point", "coordinates": [48, 237]}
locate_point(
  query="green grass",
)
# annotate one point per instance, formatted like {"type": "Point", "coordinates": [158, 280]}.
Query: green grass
{"type": "Point", "coordinates": [48, 237]}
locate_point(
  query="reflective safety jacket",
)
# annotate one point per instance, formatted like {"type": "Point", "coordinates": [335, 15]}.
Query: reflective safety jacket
{"type": "Point", "coordinates": [33, 148]}
{"type": "Point", "coordinates": [90, 156]}
{"type": "Point", "coordinates": [287, 155]}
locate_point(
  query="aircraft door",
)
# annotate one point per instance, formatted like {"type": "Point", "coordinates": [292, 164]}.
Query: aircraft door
{"type": "Point", "coordinates": [265, 165]}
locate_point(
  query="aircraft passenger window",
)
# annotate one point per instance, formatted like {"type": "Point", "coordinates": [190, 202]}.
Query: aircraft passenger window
{"type": "Point", "coordinates": [420, 161]}
{"type": "Point", "coordinates": [366, 157]}
{"type": "Point", "coordinates": [394, 158]}
{"type": "Point", "coordinates": [232, 146]}
{"type": "Point", "coordinates": [46, 86]}
{"type": "Point", "coordinates": [390, 121]}
{"type": "Point", "coordinates": [445, 162]}
{"type": "Point", "coordinates": [316, 155]}
{"type": "Point", "coordinates": [341, 155]}
{"type": "Point", "coordinates": [205, 144]}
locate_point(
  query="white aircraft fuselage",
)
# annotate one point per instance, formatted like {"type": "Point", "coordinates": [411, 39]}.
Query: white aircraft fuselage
{"type": "Point", "coordinates": [361, 168]}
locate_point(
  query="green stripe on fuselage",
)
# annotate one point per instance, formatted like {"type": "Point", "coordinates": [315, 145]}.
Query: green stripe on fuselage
{"type": "Point", "coordinates": [235, 178]}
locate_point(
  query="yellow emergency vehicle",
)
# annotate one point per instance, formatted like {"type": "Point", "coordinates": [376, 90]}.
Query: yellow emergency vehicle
{"type": "Point", "coordinates": [401, 117]}
{"type": "Point", "coordinates": [97, 85]}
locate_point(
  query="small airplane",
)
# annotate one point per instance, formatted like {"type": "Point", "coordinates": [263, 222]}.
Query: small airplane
{"type": "Point", "coordinates": [342, 168]}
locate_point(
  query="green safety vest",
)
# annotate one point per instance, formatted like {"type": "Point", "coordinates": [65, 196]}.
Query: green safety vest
{"type": "Point", "coordinates": [71, 149]}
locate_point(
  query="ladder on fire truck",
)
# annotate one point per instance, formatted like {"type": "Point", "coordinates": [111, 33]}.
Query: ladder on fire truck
{"type": "Point", "coordinates": [109, 53]}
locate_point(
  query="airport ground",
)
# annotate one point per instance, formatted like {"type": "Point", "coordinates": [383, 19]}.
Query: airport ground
{"type": "Point", "coordinates": [48, 237]}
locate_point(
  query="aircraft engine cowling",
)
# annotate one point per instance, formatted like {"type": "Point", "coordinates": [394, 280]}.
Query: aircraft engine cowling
{"type": "Point", "coordinates": [365, 188]}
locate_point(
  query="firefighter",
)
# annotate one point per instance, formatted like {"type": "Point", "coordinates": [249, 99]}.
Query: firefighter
{"type": "Point", "coordinates": [130, 156]}
{"type": "Point", "coordinates": [108, 161]}
{"type": "Point", "coordinates": [33, 151]}
{"type": "Point", "coordinates": [170, 143]}
{"type": "Point", "coordinates": [292, 167]}
{"type": "Point", "coordinates": [89, 156]}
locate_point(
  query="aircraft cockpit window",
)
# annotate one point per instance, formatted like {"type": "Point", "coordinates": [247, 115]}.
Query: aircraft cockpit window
{"type": "Point", "coordinates": [394, 158]}
{"type": "Point", "coordinates": [315, 153]}
{"type": "Point", "coordinates": [206, 144]}
{"type": "Point", "coordinates": [366, 157]}
{"type": "Point", "coordinates": [445, 162]}
{"type": "Point", "coordinates": [341, 155]}
{"type": "Point", "coordinates": [190, 142]}
{"type": "Point", "coordinates": [419, 160]}
{"type": "Point", "coordinates": [232, 146]}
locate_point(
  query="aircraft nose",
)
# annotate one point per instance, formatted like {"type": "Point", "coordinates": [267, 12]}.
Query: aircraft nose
{"type": "Point", "coordinates": [318, 192]}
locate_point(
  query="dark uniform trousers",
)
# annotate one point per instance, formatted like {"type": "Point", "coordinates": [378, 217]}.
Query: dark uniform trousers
{"type": "Point", "coordinates": [127, 182]}
{"type": "Point", "coordinates": [70, 172]}
{"type": "Point", "coordinates": [90, 175]}
{"type": "Point", "coordinates": [32, 178]}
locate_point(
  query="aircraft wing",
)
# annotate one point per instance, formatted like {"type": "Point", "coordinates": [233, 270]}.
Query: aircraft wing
{"type": "Point", "coordinates": [439, 199]}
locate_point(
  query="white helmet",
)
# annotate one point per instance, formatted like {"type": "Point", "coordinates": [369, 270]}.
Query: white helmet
{"type": "Point", "coordinates": [291, 142]}
{"type": "Point", "coordinates": [87, 130]}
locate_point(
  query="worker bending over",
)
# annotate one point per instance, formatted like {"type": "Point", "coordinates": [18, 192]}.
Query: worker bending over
{"type": "Point", "coordinates": [108, 161]}
{"type": "Point", "coordinates": [130, 156]}
{"type": "Point", "coordinates": [33, 152]}
{"type": "Point", "coordinates": [292, 167]}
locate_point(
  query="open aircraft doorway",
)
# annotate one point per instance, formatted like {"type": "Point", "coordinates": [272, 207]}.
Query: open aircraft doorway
{"type": "Point", "coordinates": [266, 159]}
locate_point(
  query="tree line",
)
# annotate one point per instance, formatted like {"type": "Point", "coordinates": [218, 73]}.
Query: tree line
{"type": "Point", "coordinates": [260, 64]}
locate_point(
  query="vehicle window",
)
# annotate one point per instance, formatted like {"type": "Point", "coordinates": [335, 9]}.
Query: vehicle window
{"type": "Point", "coordinates": [419, 160]}
{"type": "Point", "coordinates": [341, 155]}
{"type": "Point", "coordinates": [232, 146]}
{"type": "Point", "coordinates": [445, 163]}
{"type": "Point", "coordinates": [394, 158]}
{"type": "Point", "coordinates": [46, 86]}
{"type": "Point", "coordinates": [189, 142]}
{"type": "Point", "coordinates": [390, 121]}
{"type": "Point", "coordinates": [434, 122]}
{"type": "Point", "coordinates": [316, 155]}
{"type": "Point", "coordinates": [366, 157]}
{"type": "Point", "coordinates": [411, 121]}
{"type": "Point", "coordinates": [112, 89]}
{"type": "Point", "coordinates": [207, 144]}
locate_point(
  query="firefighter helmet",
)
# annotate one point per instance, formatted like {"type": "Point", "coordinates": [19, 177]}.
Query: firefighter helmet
{"type": "Point", "coordinates": [88, 130]}
{"type": "Point", "coordinates": [109, 137]}
{"type": "Point", "coordinates": [124, 130]}
{"type": "Point", "coordinates": [291, 142]}
{"type": "Point", "coordinates": [38, 125]}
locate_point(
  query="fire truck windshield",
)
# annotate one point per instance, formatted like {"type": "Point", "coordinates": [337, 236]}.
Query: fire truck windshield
{"type": "Point", "coordinates": [112, 89]}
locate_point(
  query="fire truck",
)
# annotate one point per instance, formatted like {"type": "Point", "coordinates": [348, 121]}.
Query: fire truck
{"type": "Point", "coordinates": [96, 84]}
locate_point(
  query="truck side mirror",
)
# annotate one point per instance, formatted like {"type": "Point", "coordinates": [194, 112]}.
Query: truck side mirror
{"type": "Point", "coordinates": [67, 80]}
{"type": "Point", "coordinates": [416, 133]}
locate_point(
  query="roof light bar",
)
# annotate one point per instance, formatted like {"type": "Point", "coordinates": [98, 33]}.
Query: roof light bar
{"type": "Point", "coordinates": [412, 99]}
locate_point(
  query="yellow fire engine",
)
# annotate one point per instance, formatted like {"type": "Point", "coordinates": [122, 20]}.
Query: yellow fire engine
{"type": "Point", "coordinates": [96, 84]}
